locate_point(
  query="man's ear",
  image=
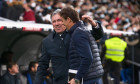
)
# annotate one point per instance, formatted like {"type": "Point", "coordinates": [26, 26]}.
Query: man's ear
{"type": "Point", "coordinates": [69, 20]}
{"type": "Point", "coordinates": [32, 68]}
{"type": "Point", "coordinates": [9, 69]}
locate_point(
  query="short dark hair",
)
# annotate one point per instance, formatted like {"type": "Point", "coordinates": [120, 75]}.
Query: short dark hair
{"type": "Point", "coordinates": [71, 13]}
{"type": "Point", "coordinates": [10, 65]}
{"type": "Point", "coordinates": [32, 64]}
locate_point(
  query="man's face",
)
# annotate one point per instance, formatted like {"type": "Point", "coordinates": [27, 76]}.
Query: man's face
{"type": "Point", "coordinates": [14, 69]}
{"type": "Point", "coordinates": [65, 22]}
{"type": "Point", "coordinates": [58, 24]}
{"type": "Point", "coordinates": [35, 68]}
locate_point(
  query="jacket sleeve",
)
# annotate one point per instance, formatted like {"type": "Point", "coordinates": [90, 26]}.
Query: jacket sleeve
{"type": "Point", "coordinates": [97, 32]}
{"type": "Point", "coordinates": [84, 51]}
{"type": "Point", "coordinates": [43, 65]}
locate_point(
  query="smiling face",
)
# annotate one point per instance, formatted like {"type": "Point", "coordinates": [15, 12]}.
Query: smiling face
{"type": "Point", "coordinates": [66, 23]}
{"type": "Point", "coordinates": [58, 24]}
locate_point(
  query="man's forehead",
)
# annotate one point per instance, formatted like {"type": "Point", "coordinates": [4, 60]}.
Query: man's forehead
{"type": "Point", "coordinates": [56, 16]}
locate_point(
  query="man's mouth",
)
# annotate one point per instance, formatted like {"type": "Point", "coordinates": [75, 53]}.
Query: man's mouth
{"type": "Point", "coordinates": [59, 26]}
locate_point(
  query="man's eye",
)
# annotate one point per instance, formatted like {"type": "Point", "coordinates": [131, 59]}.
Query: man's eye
{"type": "Point", "coordinates": [59, 20]}
{"type": "Point", "coordinates": [54, 21]}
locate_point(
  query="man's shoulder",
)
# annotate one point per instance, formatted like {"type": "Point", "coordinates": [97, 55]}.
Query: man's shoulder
{"type": "Point", "coordinates": [81, 30]}
{"type": "Point", "coordinates": [5, 76]}
{"type": "Point", "coordinates": [48, 37]}
{"type": "Point", "coordinates": [80, 33]}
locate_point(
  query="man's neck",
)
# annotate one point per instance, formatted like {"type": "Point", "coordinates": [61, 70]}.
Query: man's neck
{"type": "Point", "coordinates": [12, 73]}
{"type": "Point", "coordinates": [71, 25]}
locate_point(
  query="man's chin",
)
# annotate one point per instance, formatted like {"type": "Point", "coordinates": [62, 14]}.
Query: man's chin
{"type": "Point", "coordinates": [59, 32]}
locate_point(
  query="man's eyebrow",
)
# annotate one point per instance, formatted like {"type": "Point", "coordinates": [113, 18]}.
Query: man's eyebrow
{"type": "Point", "coordinates": [59, 19]}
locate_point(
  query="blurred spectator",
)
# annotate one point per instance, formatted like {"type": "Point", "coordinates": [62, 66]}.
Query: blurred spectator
{"type": "Point", "coordinates": [11, 76]}
{"type": "Point", "coordinates": [116, 13]}
{"type": "Point", "coordinates": [126, 73]}
{"type": "Point", "coordinates": [4, 9]}
{"type": "Point", "coordinates": [1, 2]}
{"type": "Point", "coordinates": [31, 72]}
{"type": "Point", "coordinates": [29, 14]}
{"type": "Point", "coordinates": [6, 57]}
{"type": "Point", "coordinates": [10, 7]}
{"type": "Point", "coordinates": [109, 27]}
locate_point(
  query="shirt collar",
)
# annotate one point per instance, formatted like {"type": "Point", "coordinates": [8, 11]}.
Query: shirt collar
{"type": "Point", "coordinates": [54, 33]}
{"type": "Point", "coordinates": [74, 27]}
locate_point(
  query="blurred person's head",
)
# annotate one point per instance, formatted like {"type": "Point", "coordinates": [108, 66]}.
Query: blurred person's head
{"type": "Point", "coordinates": [12, 68]}
{"type": "Point", "coordinates": [68, 2]}
{"type": "Point", "coordinates": [33, 66]}
{"type": "Point", "coordinates": [26, 7]}
{"type": "Point", "coordinates": [84, 8]}
{"type": "Point", "coordinates": [109, 27]}
{"type": "Point", "coordinates": [69, 16]}
{"type": "Point", "coordinates": [107, 17]}
{"type": "Point", "coordinates": [75, 4]}
{"type": "Point", "coordinates": [129, 29]}
{"type": "Point", "coordinates": [57, 22]}
{"type": "Point", "coordinates": [123, 20]}
{"type": "Point", "coordinates": [102, 15]}
{"type": "Point", "coordinates": [114, 26]}
{"type": "Point", "coordinates": [58, 5]}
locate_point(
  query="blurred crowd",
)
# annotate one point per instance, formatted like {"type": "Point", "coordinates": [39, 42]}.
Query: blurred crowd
{"type": "Point", "coordinates": [114, 14]}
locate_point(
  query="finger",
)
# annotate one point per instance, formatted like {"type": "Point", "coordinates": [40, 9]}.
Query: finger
{"type": "Point", "coordinates": [85, 16]}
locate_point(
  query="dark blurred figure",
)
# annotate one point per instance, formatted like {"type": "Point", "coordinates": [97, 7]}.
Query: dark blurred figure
{"type": "Point", "coordinates": [6, 57]}
{"type": "Point", "coordinates": [1, 1]}
{"type": "Point", "coordinates": [11, 76]}
{"type": "Point", "coordinates": [12, 10]}
{"type": "Point", "coordinates": [31, 72]}
{"type": "Point", "coordinates": [139, 38]}
{"type": "Point", "coordinates": [126, 72]}
{"type": "Point", "coordinates": [4, 9]}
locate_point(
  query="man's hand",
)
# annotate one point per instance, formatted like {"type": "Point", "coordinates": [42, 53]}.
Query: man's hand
{"type": "Point", "coordinates": [89, 19]}
{"type": "Point", "coordinates": [72, 81]}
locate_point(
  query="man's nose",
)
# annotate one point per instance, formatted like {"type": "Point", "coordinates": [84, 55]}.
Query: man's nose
{"type": "Point", "coordinates": [57, 23]}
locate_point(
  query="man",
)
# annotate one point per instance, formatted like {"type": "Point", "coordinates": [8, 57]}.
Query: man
{"type": "Point", "coordinates": [55, 48]}
{"type": "Point", "coordinates": [11, 76]}
{"type": "Point", "coordinates": [83, 51]}
{"type": "Point", "coordinates": [32, 71]}
{"type": "Point", "coordinates": [115, 50]}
